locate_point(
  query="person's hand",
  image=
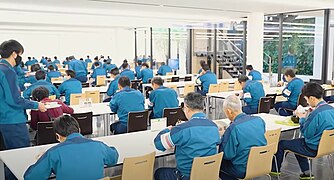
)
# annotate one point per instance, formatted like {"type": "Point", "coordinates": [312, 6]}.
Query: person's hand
{"type": "Point", "coordinates": [41, 107]}
{"type": "Point", "coordinates": [301, 114]}
{"type": "Point", "coordinates": [280, 83]}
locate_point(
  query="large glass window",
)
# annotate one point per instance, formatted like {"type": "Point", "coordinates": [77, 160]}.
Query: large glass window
{"type": "Point", "coordinates": [179, 40]}
{"type": "Point", "coordinates": [160, 45]}
{"type": "Point", "coordinates": [331, 47]}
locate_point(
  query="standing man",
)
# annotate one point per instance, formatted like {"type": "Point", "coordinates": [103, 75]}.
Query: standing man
{"type": "Point", "coordinates": [80, 69]}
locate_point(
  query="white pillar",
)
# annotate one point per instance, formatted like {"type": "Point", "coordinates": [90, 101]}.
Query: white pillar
{"type": "Point", "coordinates": [255, 28]}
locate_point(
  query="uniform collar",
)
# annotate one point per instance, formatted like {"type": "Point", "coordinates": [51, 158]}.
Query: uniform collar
{"type": "Point", "coordinates": [73, 135]}
{"type": "Point", "coordinates": [7, 63]}
{"type": "Point", "coordinates": [127, 88]}
{"type": "Point", "coordinates": [161, 87]}
{"type": "Point", "coordinates": [198, 116]}
{"type": "Point", "coordinates": [321, 103]}
{"type": "Point", "coordinates": [42, 80]}
{"type": "Point", "coordinates": [238, 117]}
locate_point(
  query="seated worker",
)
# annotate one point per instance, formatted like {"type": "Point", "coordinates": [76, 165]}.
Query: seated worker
{"type": "Point", "coordinates": [108, 66]}
{"type": "Point", "coordinates": [197, 137]}
{"type": "Point", "coordinates": [75, 157]}
{"type": "Point", "coordinates": [96, 59]}
{"type": "Point", "coordinates": [41, 94]}
{"type": "Point", "coordinates": [311, 128]}
{"type": "Point", "coordinates": [50, 63]}
{"type": "Point", "coordinates": [161, 97]}
{"type": "Point", "coordinates": [252, 93]}
{"type": "Point", "coordinates": [205, 79]}
{"type": "Point", "coordinates": [30, 62]}
{"type": "Point", "coordinates": [70, 86]}
{"type": "Point", "coordinates": [43, 60]}
{"type": "Point", "coordinates": [125, 61]}
{"type": "Point", "coordinates": [138, 67]}
{"type": "Point", "coordinates": [291, 91]}
{"type": "Point", "coordinates": [67, 61]}
{"type": "Point", "coordinates": [41, 81]}
{"type": "Point", "coordinates": [146, 73]}
{"type": "Point", "coordinates": [125, 101]}
{"type": "Point", "coordinates": [87, 60]}
{"type": "Point", "coordinates": [127, 72]}
{"type": "Point", "coordinates": [113, 86]}
{"type": "Point", "coordinates": [202, 63]}
{"type": "Point", "coordinates": [164, 69]}
{"type": "Point", "coordinates": [256, 75]}
{"type": "Point", "coordinates": [80, 69]}
{"type": "Point", "coordinates": [31, 77]}
{"type": "Point", "coordinates": [98, 71]}
{"type": "Point", "coordinates": [52, 73]}
{"type": "Point", "coordinates": [20, 76]}
{"type": "Point", "coordinates": [242, 134]}
{"type": "Point", "coordinates": [56, 61]}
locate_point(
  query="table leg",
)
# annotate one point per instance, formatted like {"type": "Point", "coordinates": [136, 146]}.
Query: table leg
{"type": "Point", "coordinates": [2, 170]}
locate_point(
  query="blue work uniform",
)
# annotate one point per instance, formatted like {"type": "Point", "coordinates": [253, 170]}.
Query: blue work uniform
{"type": "Point", "coordinates": [30, 79]}
{"type": "Point", "coordinates": [99, 71]}
{"type": "Point", "coordinates": [137, 69]}
{"type": "Point", "coordinates": [244, 133]}
{"type": "Point", "coordinates": [68, 87]}
{"type": "Point", "coordinates": [88, 60]}
{"type": "Point", "coordinates": [207, 79]}
{"type": "Point", "coordinates": [12, 109]}
{"type": "Point", "coordinates": [52, 89]}
{"type": "Point", "coordinates": [109, 67]}
{"type": "Point", "coordinates": [80, 69]}
{"type": "Point", "coordinates": [53, 74]}
{"type": "Point", "coordinates": [198, 137]}
{"type": "Point", "coordinates": [30, 62]}
{"type": "Point", "coordinates": [93, 66]}
{"type": "Point", "coordinates": [56, 61]}
{"type": "Point", "coordinates": [200, 71]}
{"type": "Point", "coordinates": [113, 86]}
{"type": "Point", "coordinates": [75, 158]}
{"type": "Point", "coordinates": [164, 69]}
{"type": "Point", "coordinates": [253, 92]}
{"type": "Point", "coordinates": [145, 75]}
{"type": "Point", "coordinates": [51, 64]}
{"type": "Point", "coordinates": [125, 101]}
{"type": "Point", "coordinates": [256, 75]}
{"type": "Point", "coordinates": [66, 63]}
{"type": "Point", "coordinates": [21, 77]}
{"type": "Point", "coordinates": [35, 61]}
{"type": "Point", "coordinates": [162, 98]}
{"type": "Point", "coordinates": [43, 61]}
{"type": "Point", "coordinates": [128, 73]}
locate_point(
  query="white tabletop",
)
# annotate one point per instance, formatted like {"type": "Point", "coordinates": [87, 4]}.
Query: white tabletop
{"type": "Point", "coordinates": [101, 89]}
{"type": "Point", "coordinates": [272, 90]}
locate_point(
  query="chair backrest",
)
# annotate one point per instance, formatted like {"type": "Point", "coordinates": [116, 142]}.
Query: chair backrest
{"type": "Point", "coordinates": [138, 167]}
{"type": "Point", "coordinates": [223, 86]}
{"type": "Point", "coordinates": [188, 88]}
{"type": "Point", "coordinates": [237, 86]}
{"type": "Point", "coordinates": [272, 137]}
{"type": "Point", "coordinates": [172, 86]}
{"type": "Point", "coordinates": [100, 80]}
{"type": "Point", "coordinates": [272, 100]}
{"type": "Point", "coordinates": [85, 121]}
{"type": "Point", "coordinates": [175, 79]}
{"type": "Point", "coordinates": [264, 105]}
{"type": "Point", "coordinates": [213, 88]}
{"type": "Point", "coordinates": [75, 98]}
{"type": "Point", "coordinates": [318, 81]}
{"type": "Point", "coordinates": [259, 155]}
{"type": "Point", "coordinates": [94, 95]}
{"type": "Point", "coordinates": [56, 79]}
{"type": "Point", "coordinates": [326, 143]}
{"type": "Point", "coordinates": [302, 101]}
{"type": "Point", "coordinates": [187, 78]}
{"type": "Point", "coordinates": [52, 97]}
{"type": "Point", "coordinates": [169, 74]}
{"type": "Point", "coordinates": [174, 115]}
{"type": "Point", "coordinates": [137, 121]}
{"type": "Point", "coordinates": [84, 85]}
{"type": "Point", "coordinates": [206, 167]}
{"type": "Point", "coordinates": [45, 133]}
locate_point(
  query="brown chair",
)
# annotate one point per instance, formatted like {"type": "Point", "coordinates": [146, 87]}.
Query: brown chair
{"type": "Point", "coordinates": [175, 79]}
{"type": "Point", "coordinates": [85, 85]}
{"type": "Point", "coordinates": [94, 95]}
{"type": "Point", "coordinates": [223, 86]}
{"type": "Point", "coordinates": [213, 88]}
{"type": "Point", "coordinates": [264, 105]}
{"type": "Point", "coordinates": [169, 74]}
{"type": "Point", "coordinates": [174, 86]}
{"type": "Point", "coordinates": [85, 121]}
{"type": "Point", "coordinates": [137, 121]}
{"type": "Point", "coordinates": [206, 167]}
{"type": "Point", "coordinates": [272, 137]}
{"type": "Point", "coordinates": [237, 86]}
{"type": "Point", "coordinates": [187, 78]}
{"type": "Point", "coordinates": [100, 80]}
{"type": "Point", "coordinates": [174, 115]}
{"type": "Point", "coordinates": [45, 133]}
{"type": "Point", "coordinates": [188, 88]}
{"type": "Point", "coordinates": [75, 98]}
{"type": "Point", "coordinates": [272, 100]}
{"type": "Point", "coordinates": [301, 101]}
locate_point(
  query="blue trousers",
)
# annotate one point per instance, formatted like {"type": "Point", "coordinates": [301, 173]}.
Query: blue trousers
{"type": "Point", "coordinates": [229, 172]}
{"type": "Point", "coordinates": [118, 128]}
{"type": "Point", "coordinates": [281, 106]}
{"type": "Point", "coordinates": [169, 174]}
{"type": "Point", "coordinates": [250, 109]}
{"type": "Point", "coordinates": [82, 79]}
{"type": "Point", "coordinates": [295, 145]}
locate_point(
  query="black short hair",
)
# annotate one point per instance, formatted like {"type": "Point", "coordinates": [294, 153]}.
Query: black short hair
{"type": "Point", "coordinates": [29, 58]}
{"type": "Point", "coordinates": [194, 100]}
{"type": "Point", "coordinates": [10, 46]}
{"type": "Point", "coordinates": [40, 93]}
{"type": "Point", "coordinates": [313, 89]}
{"type": "Point", "coordinates": [55, 57]}
{"type": "Point", "coordinates": [125, 65]}
{"type": "Point", "coordinates": [163, 63]}
{"type": "Point", "coordinates": [114, 71]}
{"type": "Point", "coordinates": [87, 56]}
{"type": "Point", "coordinates": [243, 78]}
{"type": "Point", "coordinates": [71, 57]}
{"type": "Point", "coordinates": [249, 67]}
{"type": "Point", "coordinates": [290, 72]}
{"type": "Point", "coordinates": [146, 65]}
{"type": "Point", "coordinates": [96, 58]}
{"type": "Point", "coordinates": [40, 75]}
{"type": "Point", "coordinates": [205, 67]}
{"type": "Point", "coordinates": [139, 63]}
{"type": "Point", "coordinates": [157, 81]}
{"type": "Point", "coordinates": [51, 68]}
{"type": "Point", "coordinates": [70, 73]}
{"type": "Point", "coordinates": [35, 67]}
{"type": "Point", "coordinates": [22, 64]}
{"type": "Point", "coordinates": [202, 62]}
{"type": "Point", "coordinates": [96, 63]}
{"type": "Point", "coordinates": [124, 81]}
{"type": "Point", "coordinates": [125, 60]}
{"type": "Point", "coordinates": [66, 125]}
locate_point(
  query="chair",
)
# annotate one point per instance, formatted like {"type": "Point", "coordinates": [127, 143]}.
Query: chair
{"type": "Point", "coordinates": [325, 148]}
{"type": "Point", "coordinates": [301, 101]}
{"type": "Point", "coordinates": [56, 79]}
{"type": "Point", "coordinates": [213, 88]}
{"type": "Point", "coordinates": [188, 88]}
{"type": "Point", "coordinates": [237, 86]}
{"type": "Point", "coordinates": [94, 95]}
{"type": "Point", "coordinates": [45, 133]}
{"type": "Point", "coordinates": [174, 115]}
{"type": "Point", "coordinates": [175, 79]}
{"type": "Point", "coordinates": [85, 85]}
{"type": "Point", "coordinates": [75, 98]}
{"type": "Point", "coordinates": [272, 137]}
{"type": "Point", "coordinates": [264, 105]}
{"type": "Point", "coordinates": [100, 80]}
{"type": "Point", "coordinates": [85, 121]}
{"type": "Point", "coordinates": [169, 74]}
{"type": "Point", "coordinates": [206, 167]}
{"type": "Point", "coordinates": [272, 100]}
{"type": "Point", "coordinates": [52, 97]}
{"type": "Point", "coordinates": [187, 78]}
{"type": "Point", "coordinates": [172, 86]}
{"type": "Point", "coordinates": [137, 121]}
{"type": "Point", "coordinates": [223, 86]}
{"type": "Point", "coordinates": [318, 81]}
{"type": "Point", "coordinates": [62, 71]}
{"type": "Point", "coordinates": [259, 155]}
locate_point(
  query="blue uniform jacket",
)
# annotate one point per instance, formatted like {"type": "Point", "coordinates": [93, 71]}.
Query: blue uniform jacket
{"type": "Point", "coordinates": [35, 61]}
{"type": "Point", "coordinates": [113, 86]}
{"type": "Point", "coordinates": [79, 67]}
{"type": "Point", "coordinates": [51, 64]}
{"type": "Point", "coordinates": [31, 62]}
{"type": "Point", "coordinates": [256, 75]}
{"type": "Point", "coordinates": [93, 66]}
{"type": "Point", "coordinates": [99, 72]}
{"type": "Point", "coordinates": [52, 89]}
{"type": "Point", "coordinates": [199, 71]}
{"type": "Point", "coordinates": [88, 60]}
{"type": "Point", "coordinates": [21, 77]}
{"type": "Point", "coordinates": [128, 73]}
{"type": "Point", "coordinates": [30, 79]}
{"type": "Point", "coordinates": [207, 79]}
{"type": "Point", "coordinates": [245, 132]}
{"type": "Point", "coordinates": [137, 69]}
{"type": "Point", "coordinates": [293, 90]}
{"type": "Point", "coordinates": [43, 61]}
{"type": "Point", "coordinates": [164, 69]}
{"type": "Point", "coordinates": [12, 105]}
{"type": "Point", "coordinates": [109, 67]}
{"type": "Point", "coordinates": [56, 61]}
{"type": "Point", "coordinates": [75, 158]}
{"type": "Point", "coordinates": [66, 62]}
{"type": "Point", "coordinates": [198, 137]}
{"type": "Point", "coordinates": [161, 98]}
{"type": "Point", "coordinates": [145, 75]}
{"type": "Point", "coordinates": [53, 74]}
{"type": "Point", "coordinates": [125, 101]}
{"type": "Point", "coordinates": [253, 91]}
{"type": "Point", "coordinates": [322, 118]}
{"type": "Point", "coordinates": [68, 87]}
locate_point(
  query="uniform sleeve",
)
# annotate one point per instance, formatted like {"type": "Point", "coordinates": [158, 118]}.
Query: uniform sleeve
{"type": "Point", "coordinates": [114, 104]}
{"type": "Point", "coordinates": [287, 90]}
{"type": "Point", "coordinates": [55, 90]}
{"type": "Point", "coordinates": [247, 95]}
{"type": "Point", "coordinates": [42, 169]}
{"type": "Point", "coordinates": [70, 66]}
{"type": "Point", "coordinates": [151, 100]}
{"type": "Point", "coordinates": [27, 93]}
{"type": "Point", "coordinates": [110, 155]}
{"type": "Point", "coordinates": [229, 144]}
{"type": "Point", "coordinates": [309, 129]}
{"type": "Point", "coordinates": [110, 90]}
{"type": "Point", "coordinates": [94, 74]}
{"type": "Point", "coordinates": [140, 75]}
{"type": "Point", "coordinates": [160, 71]}
{"type": "Point", "coordinates": [66, 109]}
{"type": "Point", "coordinates": [162, 140]}
{"type": "Point", "coordinates": [61, 89]}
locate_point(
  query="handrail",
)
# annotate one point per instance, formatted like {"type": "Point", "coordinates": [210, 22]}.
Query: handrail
{"type": "Point", "coordinates": [235, 46]}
